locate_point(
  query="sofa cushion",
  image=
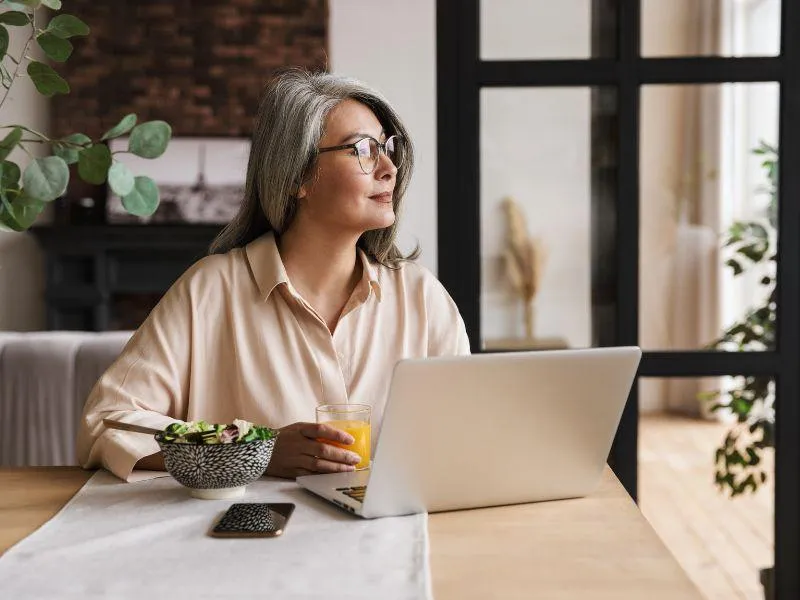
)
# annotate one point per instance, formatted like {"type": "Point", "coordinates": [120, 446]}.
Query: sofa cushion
{"type": "Point", "coordinates": [94, 356]}
{"type": "Point", "coordinates": [45, 378]}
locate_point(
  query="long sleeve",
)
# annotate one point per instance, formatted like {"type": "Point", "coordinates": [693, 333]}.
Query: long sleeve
{"type": "Point", "coordinates": [146, 385]}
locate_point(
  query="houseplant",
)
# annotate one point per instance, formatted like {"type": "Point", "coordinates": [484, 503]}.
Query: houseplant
{"type": "Point", "coordinates": [752, 244]}
{"type": "Point", "coordinates": [739, 459]}
{"type": "Point", "coordinates": [25, 193]}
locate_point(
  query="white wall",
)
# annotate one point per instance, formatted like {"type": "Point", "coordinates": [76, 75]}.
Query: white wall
{"type": "Point", "coordinates": [391, 46]}
{"type": "Point", "coordinates": [21, 262]}
{"type": "Point", "coordinates": [531, 29]}
{"type": "Point", "coordinates": [535, 147]}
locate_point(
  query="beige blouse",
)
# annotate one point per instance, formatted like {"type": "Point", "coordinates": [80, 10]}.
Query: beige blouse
{"type": "Point", "coordinates": [233, 339]}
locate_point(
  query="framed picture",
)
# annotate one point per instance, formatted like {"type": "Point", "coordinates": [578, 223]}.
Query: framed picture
{"type": "Point", "coordinates": [200, 180]}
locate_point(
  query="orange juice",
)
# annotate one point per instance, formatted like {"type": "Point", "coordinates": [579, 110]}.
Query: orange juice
{"type": "Point", "coordinates": [360, 430]}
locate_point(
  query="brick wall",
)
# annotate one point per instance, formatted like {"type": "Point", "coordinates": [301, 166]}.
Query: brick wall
{"type": "Point", "coordinates": [198, 64]}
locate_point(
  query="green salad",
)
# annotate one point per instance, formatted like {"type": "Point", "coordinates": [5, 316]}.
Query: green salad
{"type": "Point", "coordinates": [201, 432]}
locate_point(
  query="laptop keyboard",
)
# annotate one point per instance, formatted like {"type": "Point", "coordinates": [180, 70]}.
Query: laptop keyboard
{"type": "Point", "coordinates": [355, 492]}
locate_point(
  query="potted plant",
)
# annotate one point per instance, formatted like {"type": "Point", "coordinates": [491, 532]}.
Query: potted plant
{"type": "Point", "coordinates": [739, 459]}
{"type": "Point", "coordinates": [24, 193]}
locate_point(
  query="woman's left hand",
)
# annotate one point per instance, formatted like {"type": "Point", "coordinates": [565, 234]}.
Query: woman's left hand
{"type": "Point", "coordinates": [301, 449]}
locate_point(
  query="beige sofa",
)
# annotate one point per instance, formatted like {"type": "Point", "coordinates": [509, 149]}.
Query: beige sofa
{"type": "Point", "coordinates": [45, 378]}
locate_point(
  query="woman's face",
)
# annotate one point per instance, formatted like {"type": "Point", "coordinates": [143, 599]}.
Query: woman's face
{"type": "Point", "coordinates": [338, 193]}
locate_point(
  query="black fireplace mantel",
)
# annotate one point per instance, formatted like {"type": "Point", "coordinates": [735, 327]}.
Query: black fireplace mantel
{"type": "Point", "coordinates": [102, 277]}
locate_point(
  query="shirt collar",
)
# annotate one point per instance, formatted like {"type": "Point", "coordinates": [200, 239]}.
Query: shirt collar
{"type": "Point", "coordinates": [269, 272]}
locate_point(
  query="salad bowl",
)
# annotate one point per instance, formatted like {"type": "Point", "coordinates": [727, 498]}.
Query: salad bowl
{"type": "Point", "coordinates": [213, 461]}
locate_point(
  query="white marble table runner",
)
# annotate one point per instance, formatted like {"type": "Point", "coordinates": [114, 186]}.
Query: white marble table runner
{"type": "Point", "coordinates": [149, 539]}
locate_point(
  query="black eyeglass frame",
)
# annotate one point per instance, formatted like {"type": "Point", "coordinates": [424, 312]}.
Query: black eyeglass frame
{"type": "Point", "coordinates": [381, 149]}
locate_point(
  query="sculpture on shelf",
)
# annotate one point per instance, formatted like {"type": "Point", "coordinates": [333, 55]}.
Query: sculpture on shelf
{"type": "Point", "coordinates": [524, 260]}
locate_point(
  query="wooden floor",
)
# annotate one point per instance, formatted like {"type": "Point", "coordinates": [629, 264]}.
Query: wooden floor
{"type": "Point", "coordinates": [719, 541]}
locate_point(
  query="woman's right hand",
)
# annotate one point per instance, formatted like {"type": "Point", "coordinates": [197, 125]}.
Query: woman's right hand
{"type": "Point", "coordinates": [299, 451]}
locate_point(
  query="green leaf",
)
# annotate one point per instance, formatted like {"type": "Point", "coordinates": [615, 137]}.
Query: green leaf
{"type": "Point", "coordinates": [755, 252]}
{"type": "Point", "coordinates": [67, 26]}
{"type": "Point", "coordinates": [9, 175]}
{"type": "Point", "coordinates": [29, 3]}
{"type": "Point", "coordinates": [93, 163]}
{"type": "Point", "coordinates": [8, 221]}
{"type": "Point", "coordinates": [54, 47]}
{"type": "Point", "coordinates": [736, 229]}
{"type": "Point", "coordinates": [3, 41]}
{"type": "Point", "coordinates": [120, 179]}
{"type": "Point", "coordinates": [750, 483]}
{"type": "Point", "coordinates": [14, 18]}
{"type": "Point", "coordinates": [143, 200]}
{"type": "Point", "coordinates": [739, 329]}
{"type": "Point", "coordinates": [150, 139]}
{"type": "Point", "coordinates": [25, 213]}
{"type": "Point", "coordinates": [46, 80]}
{"type": "Point", "coordinates": [737, 268]}
{"type": "Point", "coordinates": [740, 406]}
{"type": "Point", "coordinates": [734, 457]}
{"type": "Point", "coordinates": [17, 5]}
{"type": "Point", "coordinates": [9, 142]}
{"type": "Point", "coordinates": [69, 153]}
{"type": "Point", "coordinates": [762, 314]}
{"type": "Point", "coordinates": [121, 128]}
{"type": "Point", "coordinates": [54, 4]}
{"type": "Point", "coordinates": [45, 179]}
{"type": "Point", "coordinates": [26, 210]}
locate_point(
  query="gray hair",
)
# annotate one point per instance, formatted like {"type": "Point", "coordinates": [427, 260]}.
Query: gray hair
{"type": "Point", "coordinates": [288, 127]}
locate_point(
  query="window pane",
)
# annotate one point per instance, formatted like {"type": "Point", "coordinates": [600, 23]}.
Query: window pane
{"type": "Point", "coordinates": [708, 216]}
{"type": "Point", "coordinates": [720, 541]}
{"type": "Point", "coordinates": [546, 150]}
{"type": "Point", "coordinates": [521, 29]}
{"type": "Point", "coordinates": [711, 27]}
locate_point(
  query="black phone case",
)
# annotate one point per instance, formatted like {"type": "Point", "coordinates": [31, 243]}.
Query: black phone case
{"type": "Point", "coordinates": [254, 519]}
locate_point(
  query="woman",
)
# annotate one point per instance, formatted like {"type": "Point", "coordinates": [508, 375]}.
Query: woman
{"type": "Point", "coordinates": [304, 300]}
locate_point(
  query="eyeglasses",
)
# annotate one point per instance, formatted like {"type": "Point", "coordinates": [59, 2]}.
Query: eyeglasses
{"type": "Point", "coordinates": [369, 149]}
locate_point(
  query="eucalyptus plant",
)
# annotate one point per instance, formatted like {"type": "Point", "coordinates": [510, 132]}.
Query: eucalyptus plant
{"type": "Point", "coordinates": [24, 194]}
{"type": "Point", "coordinates": [739, 459]}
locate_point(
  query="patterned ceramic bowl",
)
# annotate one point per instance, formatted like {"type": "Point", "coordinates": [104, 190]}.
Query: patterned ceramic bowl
{"type": "Point", "coordinates": [216, 471]}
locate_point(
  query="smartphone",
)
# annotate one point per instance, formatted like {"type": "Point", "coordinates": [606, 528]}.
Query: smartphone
{"type": "Point", "coordinates": [254, 519]}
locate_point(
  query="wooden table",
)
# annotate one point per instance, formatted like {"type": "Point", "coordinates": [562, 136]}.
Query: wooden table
{"type": "Point", "coordinates": [595, 547]}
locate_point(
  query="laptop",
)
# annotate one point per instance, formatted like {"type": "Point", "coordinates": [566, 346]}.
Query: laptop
{"type": "Point", "coordinates": [489, 429]}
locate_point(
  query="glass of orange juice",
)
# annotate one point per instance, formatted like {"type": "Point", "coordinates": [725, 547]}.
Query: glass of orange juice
{"type": "Point", "coordinates": [355, 420]}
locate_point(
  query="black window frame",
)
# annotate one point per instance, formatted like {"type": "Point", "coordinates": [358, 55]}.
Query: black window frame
{"type": "Point", "coordinates": [461, 74]}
